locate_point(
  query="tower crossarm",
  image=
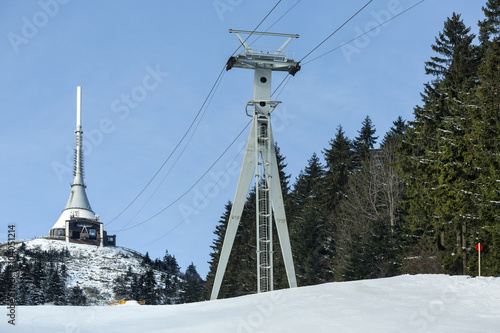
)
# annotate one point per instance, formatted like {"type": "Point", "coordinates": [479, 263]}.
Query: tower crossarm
{"type": "Point", "coordinates": [260, 161]}
{"type": "Point", "coordinates": [276, 60]}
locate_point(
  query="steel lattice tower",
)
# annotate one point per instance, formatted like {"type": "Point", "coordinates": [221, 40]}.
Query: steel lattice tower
{"type": "Point", "coordinates": [260, 160]}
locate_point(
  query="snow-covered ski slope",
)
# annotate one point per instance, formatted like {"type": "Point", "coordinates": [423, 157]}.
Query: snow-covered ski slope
{"type": "Point", "coordinates": [421, 303]}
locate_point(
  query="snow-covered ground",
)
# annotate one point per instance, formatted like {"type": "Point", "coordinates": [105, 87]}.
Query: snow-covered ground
{"type": "Point", "coordinates": [421, 303]}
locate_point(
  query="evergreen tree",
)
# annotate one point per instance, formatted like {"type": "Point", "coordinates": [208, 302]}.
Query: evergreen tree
{"type": "Point", "coordinates": [25, 285]}
{"type": "Point", "coordinates": [39, 278]}
{"type": "Point", "coordinates": [485, 138]}
{"type": "Point", "coordinates": [395, 133]}
{"type": "Point", "coordinates": [137, 287]}
{"type": "Point", "coordinates": [193, 285]}
{"type": "Point", "coordinates": [364, 143]}
{"type": "Point", "coordinates": [489, 28]}
{"type": "Point", "coordinates": [308, 228]}
{"type": "Point", "coordinates": [56, 288]}
{"type": "Point", "coordinates": [7, 283]}
{"type": "Point", "coordinates": [148, 287]}
{"type": "Point", "coordinates": [172, 288]}
{"type": "Point", "coordinates": [77, 297]}
{"type": "Point", "coordinates": [146, 260]}
{"type": "Point", "coordinates": [171, 279]}
{"type": "Point", "coordinates": [121, 287]}
{"type": "Point", "coordinates": [171, 265]}
{"type": "Point", "coordinates": [338, 159]}
{"type": "Point", "coordinates": [435, 154]}
{"type": "Point", "coordinates": [455, 61]}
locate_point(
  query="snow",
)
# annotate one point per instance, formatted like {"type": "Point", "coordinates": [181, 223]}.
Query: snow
{"type": "Point", "coordinates": [129, 303]}
{"type": "Point", "coordinates": [408, 303]}
{"type": "Point", "coordinates": [93, 268]}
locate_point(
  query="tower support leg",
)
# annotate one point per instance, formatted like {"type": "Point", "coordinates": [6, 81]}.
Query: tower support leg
{"type": "Point", "coordinates": [244, 181]}
{"type": "Point", "coordinates": [260, 158]}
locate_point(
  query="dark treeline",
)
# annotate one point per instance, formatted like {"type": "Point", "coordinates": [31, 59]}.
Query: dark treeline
{"type": "Point", "coordinates": [416, 204]}
{"type": "Point", "coordinates": [161, 283]}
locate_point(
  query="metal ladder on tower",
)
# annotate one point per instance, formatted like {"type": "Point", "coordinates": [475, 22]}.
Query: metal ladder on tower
{"type": "Point", "coordinates": [264, 213]}
{"type": "Point", "coordinates": [260, 159]}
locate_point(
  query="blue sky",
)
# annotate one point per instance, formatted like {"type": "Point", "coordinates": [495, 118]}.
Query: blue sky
{"type": "Point", "coordinates": [147, 66]}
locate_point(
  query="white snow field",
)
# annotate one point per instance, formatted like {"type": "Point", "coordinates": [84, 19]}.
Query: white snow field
{"type": "Point", "coordinates": [420, 303]}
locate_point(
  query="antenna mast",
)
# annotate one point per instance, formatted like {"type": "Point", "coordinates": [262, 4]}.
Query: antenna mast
{"type": "Point", "coordinates": [260, 160]}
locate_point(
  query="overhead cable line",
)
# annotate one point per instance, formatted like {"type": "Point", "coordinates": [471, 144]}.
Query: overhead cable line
{"type": "Point", "coordinates": [177, 146]}
{"type": "Point", "coordinates": [192, 123]}
{"type": "Point", "coordinates": [272, 25]}
{"type": "Point", "coordinates": [199, 204]}
{"type": "Point", "coordinates": [217, 182]}
{"type": "Point", "coordinates": [176, 160]}
{"type": "Point", "coordinates": [257, 27]}
{"type": "Point", "coordinates": [352, 40]}
{"type": "Point", "coordinates": [192, 186]}
{"type": "Point", "coordinates": [357, 37]}
{"type": "Point", "coordinates": [333, 33]}
{"type": "Point", "coordinates": [288, 77]}
{"type": "Point", "coordinates": [194, 120]}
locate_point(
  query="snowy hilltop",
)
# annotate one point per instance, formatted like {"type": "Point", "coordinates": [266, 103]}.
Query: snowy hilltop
{"type": "Point", "coordinates": [60, 273]}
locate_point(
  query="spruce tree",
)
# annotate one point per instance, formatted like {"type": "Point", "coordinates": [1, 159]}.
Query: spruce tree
{"type": "Point", "coordinates": [338, 159]}
{"type": "Point", "coordinates": [489, 28]}
{"type": "Point", "coordinates": [171, 279]}
{"type": "Point", "coordinates": [77, 297]}
{"type": "Point", "coordinates": [435, 154]}
{"type": "Point", "coordinates": [364, 143]}
{"type": "Point", "coordinates": [25, 286]}
{"type": "Point", "coordinates": [56, 288]}
{"type": "Point", "coordinates": [193, 285]}
{"type": "Point", "coordinates": [485, 138]}
{"type": "Point", "coordinates": [453, 62]}
{"type": "Point", "coordinates": [149, 290]}
{"type": "Point", "coordinates": [395, 134]}
{"type": "Point", "coordinates": [308, 233]}
{"type": "Point", "coordinates": [39, 278]}
{"type": "Point", "coordinates": [7, 282]}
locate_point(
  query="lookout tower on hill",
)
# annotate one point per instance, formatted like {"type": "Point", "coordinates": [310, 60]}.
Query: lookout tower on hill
{"type": "Point", "coordinates": [78, 223]}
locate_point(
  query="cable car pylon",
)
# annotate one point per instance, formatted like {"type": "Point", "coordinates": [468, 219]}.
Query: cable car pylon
{"type": "Point", "coordinates": [260, 160]}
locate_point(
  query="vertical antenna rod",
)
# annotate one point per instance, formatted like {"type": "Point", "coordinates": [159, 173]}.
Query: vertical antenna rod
{"type": "Point", "coordinates": [78, 138]}
{"type": "Point", "coordinates": [79, 108]}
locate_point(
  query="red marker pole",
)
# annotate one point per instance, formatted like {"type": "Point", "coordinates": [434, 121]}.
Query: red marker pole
{"type": "Point", "coordinates": [479, 247]}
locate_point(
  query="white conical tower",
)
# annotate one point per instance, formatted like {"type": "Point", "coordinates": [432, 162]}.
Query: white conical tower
{"type": "Point", "coordinates": [78, 204]}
